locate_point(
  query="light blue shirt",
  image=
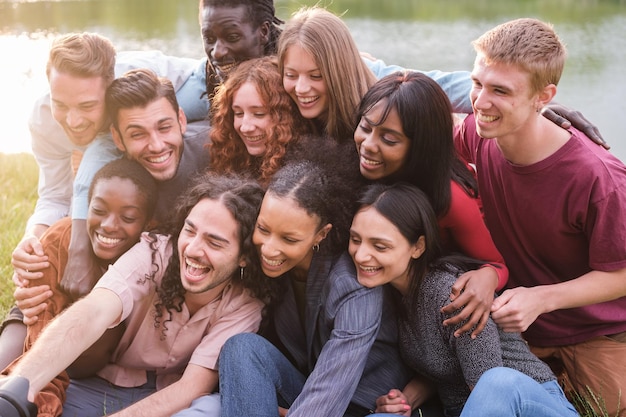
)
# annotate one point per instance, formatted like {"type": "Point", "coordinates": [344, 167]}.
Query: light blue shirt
{"type": "Point", "coordinates": [457, 84]}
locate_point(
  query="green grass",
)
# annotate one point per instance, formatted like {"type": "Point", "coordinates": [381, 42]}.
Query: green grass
{"type": "Point", "coordinates": [18, 176]}
{"type": "Point", "coordinates": [590, 404]}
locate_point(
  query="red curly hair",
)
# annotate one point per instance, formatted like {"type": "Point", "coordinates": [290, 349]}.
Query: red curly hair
{"type": "Point", "coordinates": [228, 153]}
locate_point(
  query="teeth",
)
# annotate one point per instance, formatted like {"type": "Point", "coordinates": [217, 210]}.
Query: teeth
{"type": "Point", "coordinates": [485, 118]}
{"type": "Point", "coordinates": [78, 130]}
{"type": "Point", "coordinates": [254, 138]}
{"type": "Point", "coordinates": [271, 262]}
{"type": "Point", "coordinates": [192, 264]}
{"type": "Point", "coordinates": [368, 268]}
{"type": "Point", "coordinates": [369, 161]}
{"type": "Point", "coordinates": [307, 100]}
{"type": "Point", "coordinates": [107, 240]}
{"type": "Point", "coordinates": [227, 68]}
{"type": "Point", "coordinates": [159, 159]}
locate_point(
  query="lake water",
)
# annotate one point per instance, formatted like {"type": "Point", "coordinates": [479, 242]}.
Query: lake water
{"type": "Point", "coordinates": [420, 34]}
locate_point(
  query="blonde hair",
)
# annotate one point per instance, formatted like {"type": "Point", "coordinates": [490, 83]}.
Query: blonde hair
{"type": "Point", "coordinates": [529, 44]}
{"type": "Point", "coordinates": [83, 55]}
{"type": "Point", "coordinates": [327, 38]}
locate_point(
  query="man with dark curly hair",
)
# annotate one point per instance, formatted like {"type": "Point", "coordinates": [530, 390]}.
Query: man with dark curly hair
{"type": "Point", "coordinates": [181, 295]}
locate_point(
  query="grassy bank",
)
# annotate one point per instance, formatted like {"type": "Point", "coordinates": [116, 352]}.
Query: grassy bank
{"type": "Point", "coordinates": [18, 176]}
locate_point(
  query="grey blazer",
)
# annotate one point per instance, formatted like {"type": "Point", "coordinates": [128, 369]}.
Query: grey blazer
{"type": "Point", "coordinates": [349, 345]}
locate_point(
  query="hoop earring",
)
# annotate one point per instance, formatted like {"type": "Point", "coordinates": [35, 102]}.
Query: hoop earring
{"type": "Point", "coordinates": [241, 269]}
{"type": "Point", "coordinates": [316, 247]}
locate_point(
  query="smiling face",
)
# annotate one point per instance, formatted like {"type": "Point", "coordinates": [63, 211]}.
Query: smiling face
{"type": "Point", "coordinates": [303, 81]}
{"type": "Point", "coordinates": [230, 38]}
{"type": "Point", "coordinates": [209, 248]}
{"type": "Point", "coordinates": [383, 147]}
{"type": "Point", "coordinates": [252, 120]}
{"type": "Point", "coordinates": [502, 99]}
{"type": "Point", "coordinates": [152, 136]}
{"type": "Point", "coordinates": [380, 252]}
{"type": "Point", "coordinates": [78, 105]}
{"type": "Point", "coordinates": [116, 217]}
{"type": "Point", "coordinates": [285, 235]}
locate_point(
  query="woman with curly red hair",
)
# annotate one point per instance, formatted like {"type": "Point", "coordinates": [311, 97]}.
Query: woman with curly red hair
{"type": "Point", "coordinates": [253, 121]}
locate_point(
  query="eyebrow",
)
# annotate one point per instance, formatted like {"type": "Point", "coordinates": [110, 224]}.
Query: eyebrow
{"type": "Point", "coordinates": [498, 86]}
{"type": "Point", "coordinates": [95, 198]}
{"type": "Point", "coordinates": [384, 129]}
{"type": "Point", "coordinates": [138, 126]}
{"type": "Point", "coordinates": [82, 103]}
{"type": "Point", "coordinates": [210, 236]}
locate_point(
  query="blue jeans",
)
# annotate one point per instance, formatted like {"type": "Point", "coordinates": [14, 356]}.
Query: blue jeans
{"type": "Point", "coordinates": [95, 397]}
{"type": "Point", "coordinates": [205, 406]}
{"type": "Point", "coordinates": [507, 392]}
{"type": "Point", "coordinates": [255, 378]}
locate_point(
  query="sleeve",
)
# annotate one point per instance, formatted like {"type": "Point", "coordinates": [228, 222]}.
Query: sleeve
{"type": "Point", "coordinates": [475, 356]}
{"type": "Point", "coordinates": [128, 276]}
{"type": "Point", "coordinates": [53, 152]}
{"type": "Point", "coordinates": [100, 152]}
{"type": "Point", "coordinates": [607, 232]}
{"type": "Point", "coordinates": [50, 399]}
{"type": "Point", "coordinates": [241, 314]}
{"type": "Point", "coordinates": [457, 84]}
{"type": "Point", "coordinates": [55, 241]}
{"type": "Point", "coordinates": [341, 362]}
{"type": "Point", "coordinates": [192, 94]}
{"type": "Point", "coordinates": [467, 228]}
{"type": "Point", "coordinates": [464, 140]}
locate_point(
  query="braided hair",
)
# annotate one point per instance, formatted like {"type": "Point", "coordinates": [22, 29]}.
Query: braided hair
{"type": "Point", "coordinates": [259, 11]}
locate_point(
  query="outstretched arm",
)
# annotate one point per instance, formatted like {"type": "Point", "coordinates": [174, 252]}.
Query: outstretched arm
{"type": "Point", "coordinates": [67, 337]}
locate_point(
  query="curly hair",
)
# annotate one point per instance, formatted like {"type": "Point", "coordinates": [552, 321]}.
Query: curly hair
{"type": "Point", "coordinates": [133, 171]}
{"type": "Point", "coordinates": [228, 152]}
{"type": "Point", "coordinates": [242, 197]}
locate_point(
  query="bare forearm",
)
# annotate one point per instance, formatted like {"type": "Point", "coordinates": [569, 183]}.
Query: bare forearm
{"type": "Point", "coordinates": [592, 288]}
{"type": "Point", "coordinates": [196, 382]}
{"type": "Point", "coordinates": [65, 339]}
{"type": "Point", "coordinates": [417, 391]}
{"type": "Point", "coordinates": [36, 230]}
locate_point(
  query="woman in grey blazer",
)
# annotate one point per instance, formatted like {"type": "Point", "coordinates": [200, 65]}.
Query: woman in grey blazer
{"type": "Point", "coordinates": [338, 338]}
